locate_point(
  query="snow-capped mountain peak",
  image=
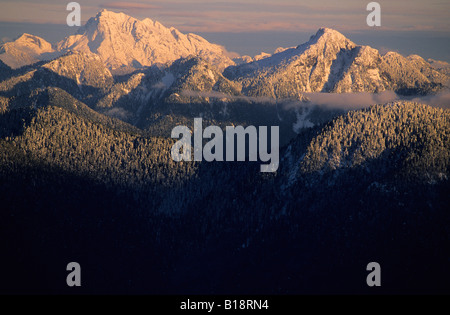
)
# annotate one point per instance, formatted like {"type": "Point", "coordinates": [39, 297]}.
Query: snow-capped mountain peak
{"type": "Point", "coordinates": [122, 40]}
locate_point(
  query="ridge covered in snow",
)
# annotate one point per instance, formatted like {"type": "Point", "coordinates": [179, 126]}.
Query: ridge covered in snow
{"type": "Point", "coordinates": [25, 50]}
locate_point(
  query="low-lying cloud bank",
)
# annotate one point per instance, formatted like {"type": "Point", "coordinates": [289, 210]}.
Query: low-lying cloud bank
{"type": "Point", "coordinates": [119, 113]}
{"type": "Point", "coordinates": [353, 101]}
{"type": "Point", "coordinates": [343, 101]}
{"type": "Point", "coordinates": [223, 96]}
{"type": "Point", "coordinates": [350, 101]}
{"type": "Point", "coordinates": [441, 100]}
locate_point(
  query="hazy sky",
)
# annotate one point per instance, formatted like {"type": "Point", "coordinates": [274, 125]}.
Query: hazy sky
{"type": "Point", "coordinates": [251, 26]}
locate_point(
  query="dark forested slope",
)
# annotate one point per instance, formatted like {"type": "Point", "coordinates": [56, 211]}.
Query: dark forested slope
{"type": "Point", "coordinates": [371, 185]}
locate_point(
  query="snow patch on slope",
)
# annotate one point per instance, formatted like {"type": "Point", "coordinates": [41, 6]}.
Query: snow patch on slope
{"type": "Point", "coordinates": [302, 121]}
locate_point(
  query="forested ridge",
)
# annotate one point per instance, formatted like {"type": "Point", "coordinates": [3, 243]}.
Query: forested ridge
{"type": "Point", "coordinates": [370, 184]}
{"type": "Point", "coordinates": [415, 135]}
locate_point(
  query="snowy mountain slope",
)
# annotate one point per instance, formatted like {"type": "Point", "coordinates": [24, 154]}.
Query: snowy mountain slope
{"type": "Point", "coordinates": [441, 66]}
{"type": "Point", "coordinates": [121, 40]}
{"type": "Point", "coordinates": [84, 69]}
{"type": "Point", "coordinates": [247, 59]}
{"type": "Point", "coordinates": [411, 75]}
{"type": "Point", "coordinates": [26, 50]}
{"type": "Point", "coordinates": [185, 82]}
{"type": "Point", "coordinates": [426, 68]}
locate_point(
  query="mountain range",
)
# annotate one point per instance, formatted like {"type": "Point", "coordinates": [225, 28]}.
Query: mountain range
{"type": "Point", "coordinates": [328, 62]}
{"type": "Point", "coordinates": [140, 71]}
{"type": "Point", "coordinates": [121, 41]}
{"type": "Point", "coordinates": [86, 172]}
